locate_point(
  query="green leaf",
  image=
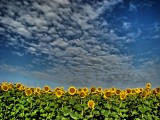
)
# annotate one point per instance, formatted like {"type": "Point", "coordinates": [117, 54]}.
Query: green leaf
{"type": "Point", "coordinates": [107, 105]}
{"type": "Point", "coordinates": [78, 107]}
{"type": "Point", "coordinates": [66, 111]}
{"type": "Point", "coordinates": [74, 116]}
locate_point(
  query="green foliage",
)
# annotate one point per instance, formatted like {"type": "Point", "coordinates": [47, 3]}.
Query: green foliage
{"type": "Point", "coordinates": [15, 105]}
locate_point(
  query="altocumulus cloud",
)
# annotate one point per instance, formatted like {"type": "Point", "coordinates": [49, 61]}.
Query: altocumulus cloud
{"type": "Point", "coordinates": [70, 43]}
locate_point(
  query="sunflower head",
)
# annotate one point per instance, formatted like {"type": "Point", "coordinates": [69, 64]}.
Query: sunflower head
{"type": "Point", "coordinates": [91, 104]}
{"type": "Point", "coordinates": [58, 93]}
{"type": "Point", "coordinates": [5, 87]}
{"type": "Point", "coordinates": [85, 89]}
{"type": "Point", "coordinates": [93, 89]}
{"type": "Point", "coordinates": [122, 95]}
{"type": "Point", "coordinates": [21, 88]}
{"type": "Point", "coordinates": [82, 94]}
{"type": "Point", "coordinates": [144, 94]}
{"type": "Point", "coordinates": [18, 85]}
{"type": "Point", "coordinates": [28, 92]}
{"type": "Point", "coordinates": [72, 90]}
{"type": "Point", "coordinates": [128, 91]}
{"type": "Point", "coordinates": [113, 90]}
{"type": "Point", "coordinates": [46, 89]}
{"type": "Point", "coordinates": [118, 91]}
{"type": "Point", "coordinates": [99, 89]}
{"type": "Point", "coordinates": [10, 85]}
{"type": "Point", "coordinates": [107, 94]}
{"type": "Point", "coordinates": [148, 85]}
{"type": "Point", "coordinates": [37, 90]}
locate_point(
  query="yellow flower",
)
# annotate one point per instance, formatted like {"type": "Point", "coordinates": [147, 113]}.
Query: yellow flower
{"type": "Point", "coordinates": [4, 87]}
{"type": "Point", "coordinates": [128, 91]}
{"type": "Point", "coordinates": [137, 90]}
{"type": "Point", "coordinates": [99, 89]}
{"type": "Point", "coordinates": [58, 93]}
{"type": "Point", "coordinates": [21, 88]}
{"type": "Point", "coordinates": [28, 92]}
{"type": "Point", "coordinates": [82, 94]}
{"type": "Point", "coordinates": [93, 89]}
{"type": "Point", "coordinates": [46, 89]}
{"type": "Point", "coordinates": [18, 85]}
{"type": "Point", "coordinates": [118, 91]}
{"type": "Point", "coordinates": [37, 90]}
{"type": "Point", "coordinates": [10, 85]}
{"type": "Point", "coordinates": [91, 104]}
{"type": "Point", "coordinates": [144, 94]}
{"type": "Point", "coordinates": [158, 90]}
{"type": "Point", "coordinates": [122, 95]}
{"type": "Point", "coordinates": [107, 94]}
{"type": "Point", "coordinates": [72, 90]}
{"type": "Point", "coordinates": [85, 89]}
{"type": "Point", "coordinates": [113, 90]}
{"type": "Point", "coordinates": [148, 85]}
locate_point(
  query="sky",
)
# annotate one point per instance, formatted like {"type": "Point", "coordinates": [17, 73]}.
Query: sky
{"type": "Point", "coordinates": [81, 43]}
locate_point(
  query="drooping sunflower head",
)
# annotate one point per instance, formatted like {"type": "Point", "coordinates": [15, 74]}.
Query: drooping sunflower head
{"type": "Point", "coordinates": [46, 89]}
{"type": "Point", "coordinates": [72, 90]}
{"type": "Point", "coordinates": [148, 85]}
{"type": "Point", "coordinates": [58, 93]}
{"type": "Point", "coordinates": [91, 104]}
{"type": "Point", "coordinates": [5, 87]}
{"type": "Point", "coordinates": [144, 94]}
{"type": "Point", "coordinates": [28, 92]}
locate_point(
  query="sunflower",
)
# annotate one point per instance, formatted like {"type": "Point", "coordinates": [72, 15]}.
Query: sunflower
{"type": "Point", "coordinates": [85, 89]}
{"type": "Point", "coordinates": [91, 104]}
{"type": "Point", "coordinates": [137, 90]}
{"type": "Point", "coordinates": [144, 94]}
{"type": "Point", "coordinates": [118, 91]}
{"type": "Point", "coordinates": [122, 95]}
{"type": "Point", "coordinates": [157, 89]}
{"type": "Point", "coordinates": [113, 90]}
{"type": "Point", "coordinates": [128, 90]}
{"type": "Point", "coordinates": [99, 89]}
{"type": "Point", "coordinates": [10, 85]}
{"type": "Point", "coordinates": [37, 90]}
{"type": "Point", "coordinates": [18, 85]}
{"type": "Point", "coordinates": [79, 90]}
{"type": "Point", "coordinates": [4, 87]}
{"type": "Point", "coordinates": [21, 88]}
{"type": "Point", "coordinates": [148, 85]}
{"type": "Point", "coordinates": [72, 90]}
{"type": "Point", "coordinates": [93, 89]}
{"type": "Point", "coordinates": [107, 94]}
{"type": "Point", "coordinates": [82, 94]}
{"type": "Point", "coordinates": [46, 89]}
{"type": "Point", "coordinates": [28, 92]}
{"type": "Point", "coordinates": [58, 93]}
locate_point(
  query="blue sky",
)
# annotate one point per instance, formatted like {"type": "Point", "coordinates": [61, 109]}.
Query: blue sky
{"type": "Point", "coordinates": [81, 43]}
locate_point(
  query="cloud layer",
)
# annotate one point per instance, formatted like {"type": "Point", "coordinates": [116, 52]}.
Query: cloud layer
{"type": "Point", "coordinates": [71, 43]}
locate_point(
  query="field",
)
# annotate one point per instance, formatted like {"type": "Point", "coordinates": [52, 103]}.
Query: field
{"type": "Point", "coordinates": [19, 102]}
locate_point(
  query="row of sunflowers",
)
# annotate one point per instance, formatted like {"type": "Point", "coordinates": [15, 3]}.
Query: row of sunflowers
{"type": "Point", "coordinates": [21, 102]}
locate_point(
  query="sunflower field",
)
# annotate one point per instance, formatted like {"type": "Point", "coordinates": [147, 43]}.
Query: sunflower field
{"type": "Point", "coordinates": [19, 102]}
